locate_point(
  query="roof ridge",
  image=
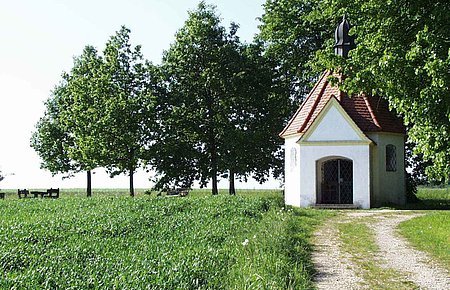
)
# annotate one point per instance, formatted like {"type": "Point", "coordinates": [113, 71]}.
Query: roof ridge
{"type": "Point", "coordinates": [304, 102]}
{"type": "Point", "coordinates": [369, 113]}
{"type": "Point", "coordinates": [372, 114]}
{"type": "Point", "coordinates": [314, 106]}
{"type": "Point", "coordinates": [315, 118]}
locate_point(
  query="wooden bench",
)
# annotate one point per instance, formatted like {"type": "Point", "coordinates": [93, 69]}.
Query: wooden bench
{"type": "Point", "coordinates": [178, 192]}
{"type": "Point", "coordinates": [53, 193]}
{"type": "Point", "coordinates": [50, 193]}
{"type": "Point", "coordinates": [23, 193]}
{"type": "Point", "coordinates": [36, 194]}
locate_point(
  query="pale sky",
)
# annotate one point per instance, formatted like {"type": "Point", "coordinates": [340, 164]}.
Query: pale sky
{"type": "Point", "coordinates": [38, 42]}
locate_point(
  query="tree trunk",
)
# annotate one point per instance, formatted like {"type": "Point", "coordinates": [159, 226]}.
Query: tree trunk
{"type": "Point", "coordinates": [215, 191]}
{"type": "Point", "coordinates": [89, 184]}
{"type": "Point", "coordinates": [131, 183]}
{"type": "Point", "coordinates": [212, 140]}
{"type": "Point", "coordinates": [232, 189]}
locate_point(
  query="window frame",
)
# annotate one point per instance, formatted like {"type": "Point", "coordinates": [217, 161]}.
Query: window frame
{"type": "Point", "coordinates": [391, 158]}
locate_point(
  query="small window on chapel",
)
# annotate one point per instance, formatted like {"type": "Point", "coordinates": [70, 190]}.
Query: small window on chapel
{"type": "Point", "coordinates": [391, 158]}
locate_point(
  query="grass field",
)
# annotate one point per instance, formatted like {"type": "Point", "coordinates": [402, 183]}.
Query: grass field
{"type": "Point", "coordinates": [431, 232]}
{"type": "Point", "coordinates": [116, 242]}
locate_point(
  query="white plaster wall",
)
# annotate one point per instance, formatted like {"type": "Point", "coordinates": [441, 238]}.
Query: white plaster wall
{"type": "Point", "coordinates": [388, 186]}
{"type": "Point", "coordinates": [359, 154]}
{"type": "Point", "coordinates": [292, 172]}
{"type": "Point", "coordinates": [334, 127]}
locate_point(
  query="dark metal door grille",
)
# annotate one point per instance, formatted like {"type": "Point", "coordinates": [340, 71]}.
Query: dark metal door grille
{"type": "Point", "coordinates": [337, 182]}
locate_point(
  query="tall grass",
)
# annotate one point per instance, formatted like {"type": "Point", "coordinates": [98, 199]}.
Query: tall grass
{"type": "Point", "coordinates": [117, 242]}
{"type": "Point", "coordinates": [277, 253]}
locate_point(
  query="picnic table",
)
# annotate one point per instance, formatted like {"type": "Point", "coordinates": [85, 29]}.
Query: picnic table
{"type": "Point", "coordinates": [177, 192]}
{"type": "Point", "coordinates": [50, 193]}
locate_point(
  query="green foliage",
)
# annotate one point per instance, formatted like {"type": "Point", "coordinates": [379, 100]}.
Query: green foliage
{"type": "Point", "coordinates": [101, 114]}
{"type": "Point", "coordinates": [80, 106]}
{"type": "Point", "coordinates": [156, 243]}
{"type": "Point", "coordinates": [293, 36]}
{"type": "Point", "coordinates": [216, 109]}
{"type": "Point", "coordinates": [252, 145]}
{"type": "Point", "coordinates": [415, 173]}
{"type": "Point", "coordinates": [128, 113]}
{"type": "Point", "coordinates": [402, 54]}
{"type": "Point", "coordinates": [51, 140]}
{"type": "Point", "coordinates": [430, 233]}
{"type": "Point", "coordinates": [66, 138]}
{"type": "Point", "coordinates": [190, 109]}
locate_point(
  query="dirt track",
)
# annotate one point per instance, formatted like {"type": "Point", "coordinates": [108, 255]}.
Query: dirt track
{"type": "Point", "coordinates": [335, 269]}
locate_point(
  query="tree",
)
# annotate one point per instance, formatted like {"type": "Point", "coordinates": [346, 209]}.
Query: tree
{"type": "Point", "coordinates": [252, 146]}
{"type": "Point", "coordinates": [65, 138]}
{"type": "Point", "coordinates": [128, 114]}
{"type": "Point", "coordinates": [292, 37]}
{"type": "Point", "coordinates": [82, 108]}
{"type": "Point", "coordinates": [101, 114]}
{"type": "Point", "coordinates": [402, 54]}
{"type": "Point", "coordinates": [193, 69]}
{"type": "Point", "coordinates": [52, 142]}
{"type": "Point", "coordinates": [215, 106]}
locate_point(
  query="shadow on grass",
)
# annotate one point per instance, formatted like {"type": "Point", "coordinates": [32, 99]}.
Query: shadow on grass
{"type": "Point", "coordinates": [430, 199]}
{"type": "Point", "coordinates": [429, 204]}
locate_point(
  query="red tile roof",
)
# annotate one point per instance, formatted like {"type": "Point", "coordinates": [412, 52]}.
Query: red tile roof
{"type": "Point", "coordinates": [370, 113]}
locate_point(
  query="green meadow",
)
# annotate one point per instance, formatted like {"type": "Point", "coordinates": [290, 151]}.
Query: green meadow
{"type": "Point", "coordinates": [113, 241]}
{"type": "Point", "coordinates": [431, 232]}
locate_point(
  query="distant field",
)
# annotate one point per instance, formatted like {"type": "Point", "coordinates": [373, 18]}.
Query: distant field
{"type": "Point", "coordinates": [81, 192]}
{"type": "Point", "coordinates": [113, 241]}
{"type": "Point", "coordinates": [430, 193]}
{"type": "Point", "coordinates": [433, 198]}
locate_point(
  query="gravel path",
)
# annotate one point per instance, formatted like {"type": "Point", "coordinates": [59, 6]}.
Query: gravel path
{"type": "Point", "coordinates": [397, 254]}
{"type": "Point", "coordinates": [335, 269]}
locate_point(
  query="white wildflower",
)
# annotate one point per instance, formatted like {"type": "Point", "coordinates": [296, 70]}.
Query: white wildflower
{"type": "Point", "coordinates": [245, 243]}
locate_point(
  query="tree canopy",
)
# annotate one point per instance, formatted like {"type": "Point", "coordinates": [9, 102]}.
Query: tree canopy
{"type": "Point", "coordinates": [402, 54]}
{"type": "Point", "coordinates": [215, 105]}
{"type": "Point", "coordinates": [51, 141]}
{"type": "Point", "coordinates": [65, 138]}
{"type": "Point", "coordinates": [128, 116]}
{"type": "Point", "coordinates": [217, 111]}
{"type": "Point", "coordinates": [100, 114]}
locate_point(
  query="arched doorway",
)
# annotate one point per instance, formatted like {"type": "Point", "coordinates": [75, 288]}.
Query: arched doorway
{"type": "Point", "coordinates": [335, 181]}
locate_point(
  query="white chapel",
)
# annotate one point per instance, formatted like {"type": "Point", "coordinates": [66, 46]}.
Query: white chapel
{"type": "Point", "coordinates": [343, 151]}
